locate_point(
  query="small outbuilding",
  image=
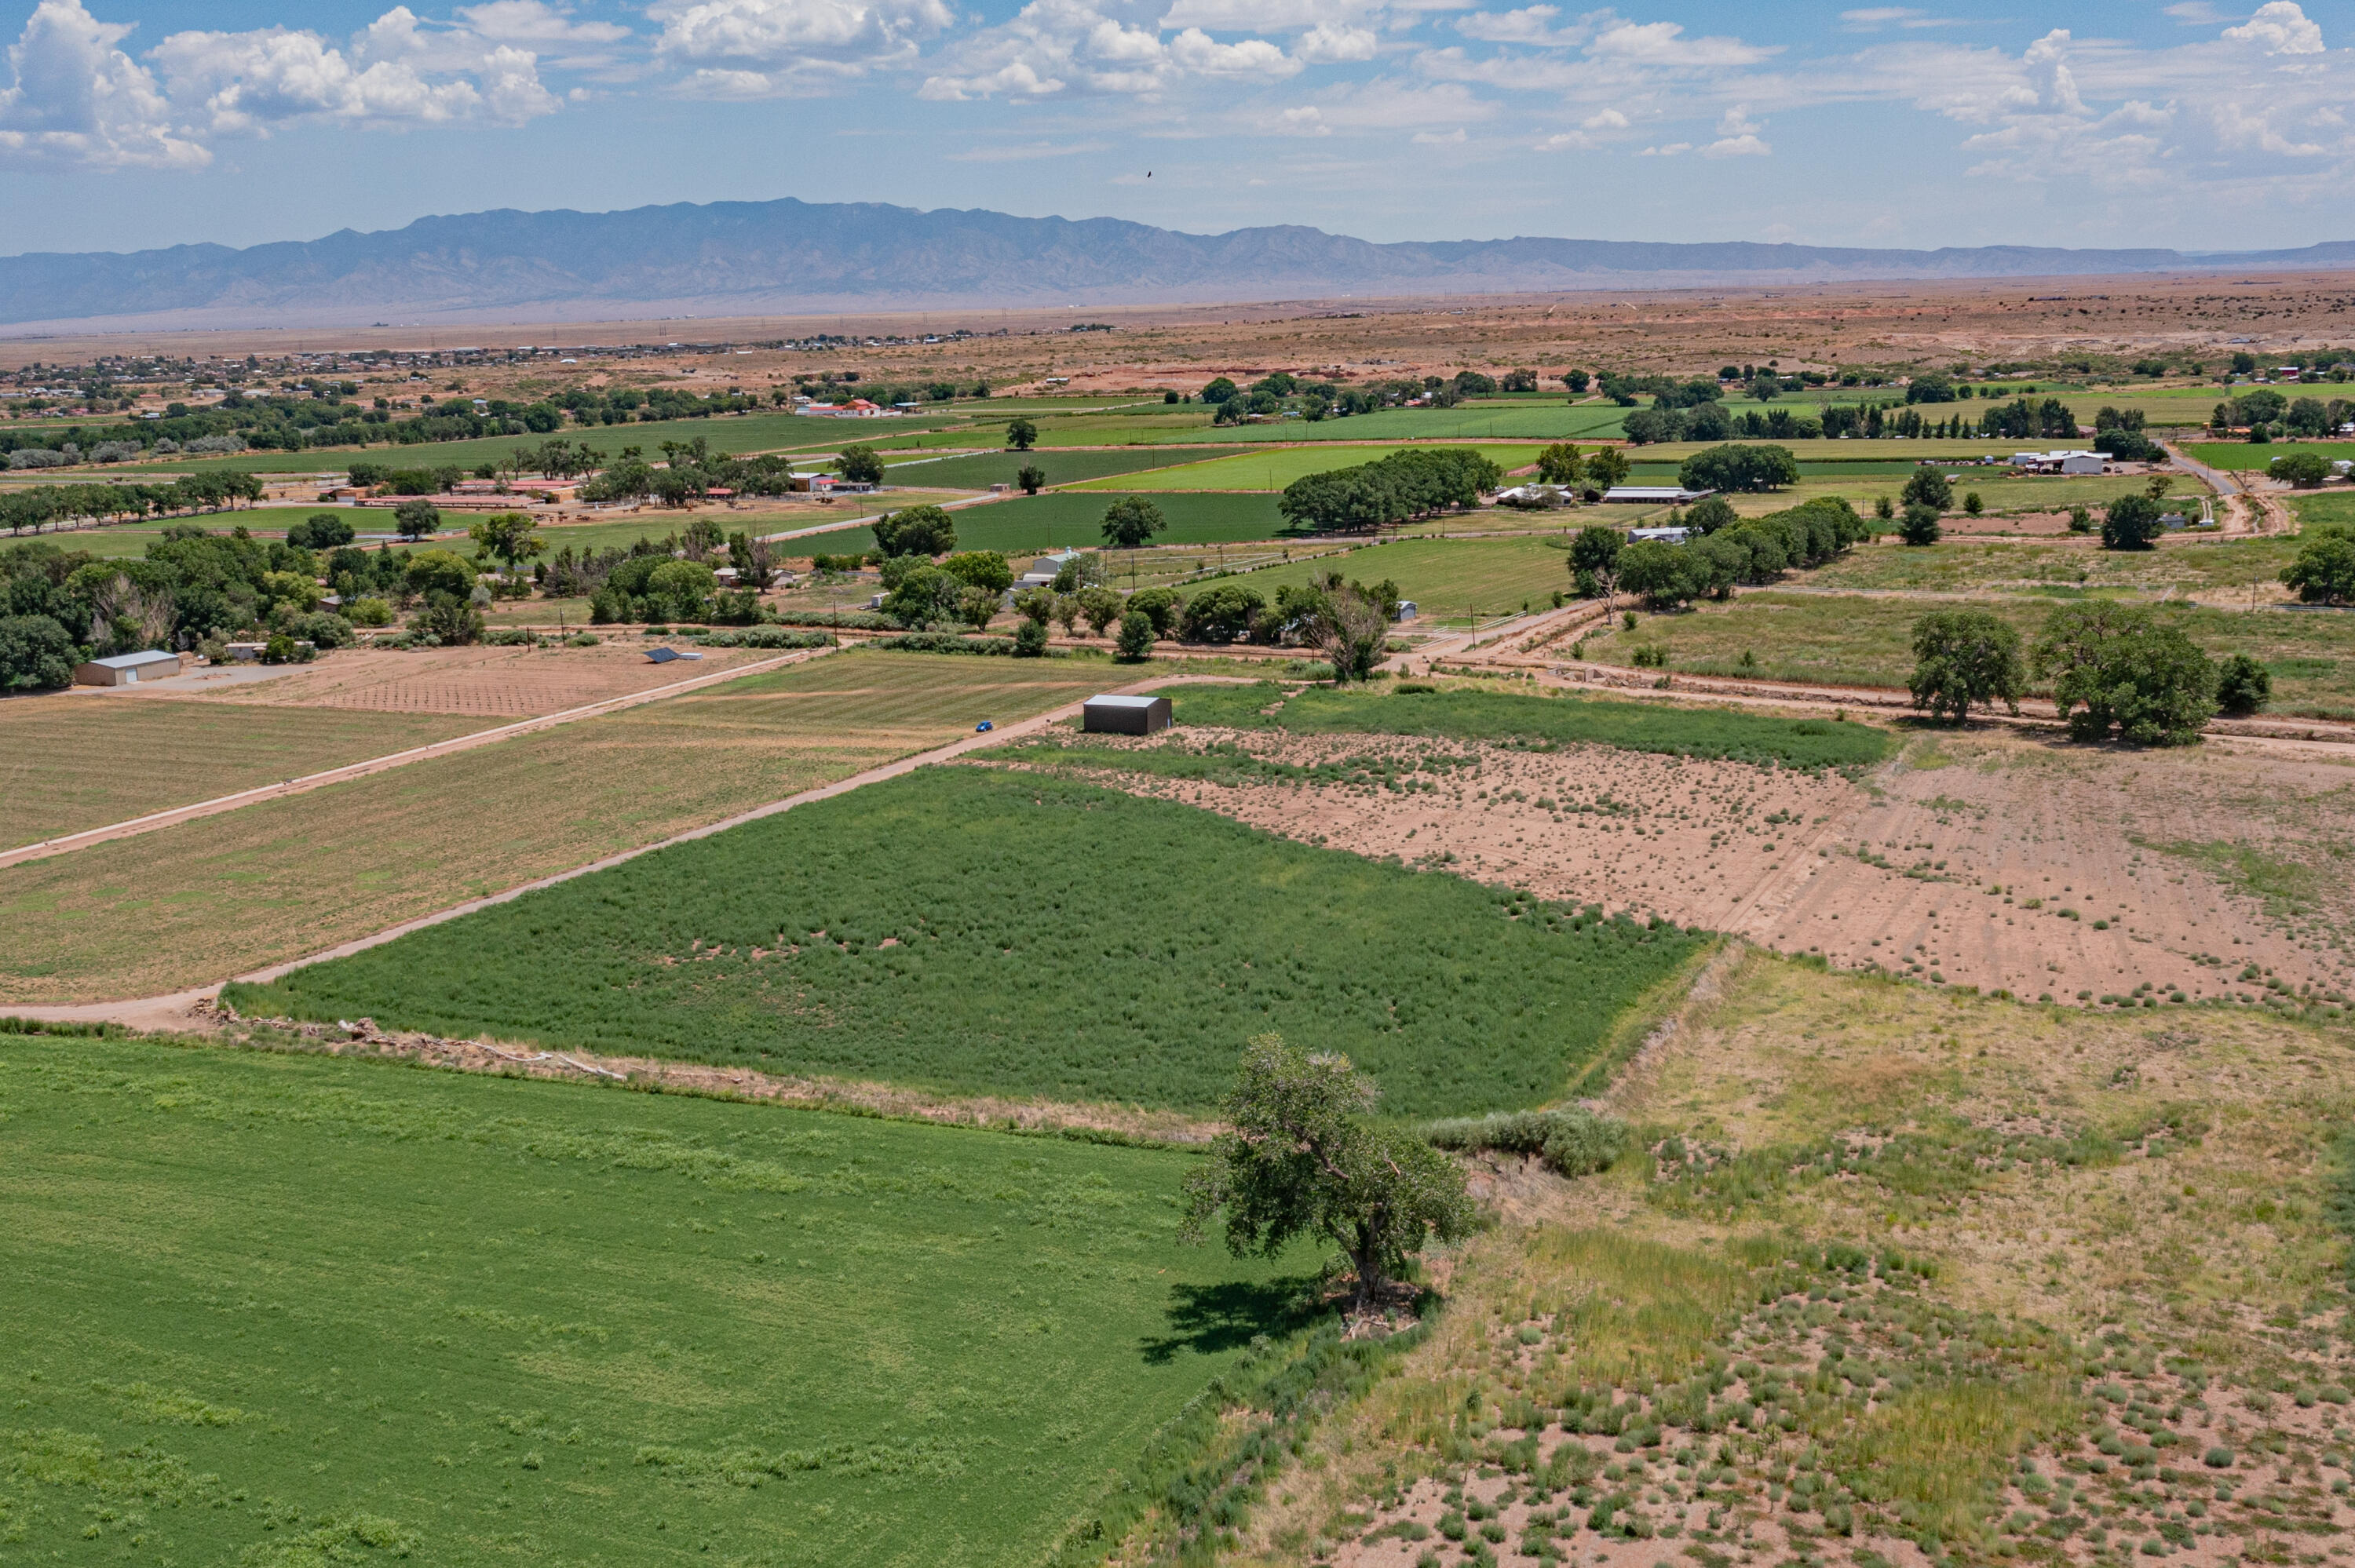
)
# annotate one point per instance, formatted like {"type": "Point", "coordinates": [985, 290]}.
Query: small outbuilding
{"type": "Point", "coordinates": [670, 655]}
{"type": "Point", "coordinates": [1653, 495]}
{"type": "Point", "coordinates": [127, 669]}
{"type": "Point", "coordinates": [1125, 715]}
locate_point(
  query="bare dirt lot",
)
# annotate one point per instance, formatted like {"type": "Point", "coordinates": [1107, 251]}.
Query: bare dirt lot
{"type": "Point", "coordinates": [489, 682]}
{"type": "Point", "coordinates": [1995, 860]}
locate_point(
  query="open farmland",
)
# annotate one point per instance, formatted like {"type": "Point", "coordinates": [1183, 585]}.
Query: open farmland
{"type": "Point", "coordinates": [1074, 520]}
{"type": "Point", "coordinates": [190, 905]}
{"type": "Point", "coordinates": [1546, 419]}
{"type": "Point", "coordinates": [963, 930]}
{"type": "Point", "coordinates": [1511, 718]}
{"type": "Point", "coordinates": [1995, 860]}
{"type": "Point", "coordinates": [81, 760]}
{"type": "Point", "coordinates": [737, 433]}
{"type": "Point", "coordinates": [1447, 579]}
{"type": "Point", "coordinates": [2338, 506]}
{"type": "Point", "coordinates": [333, 1311]}
{"type": "Point", "coordinates": [2243, 456]}
{"type": "Point", "coordinates": [1274, 469]}
{"type": "Point", "coordinates": [491, 684]}
{"type": "Point", "coordinates": [979, 471]}
{"type": "Point", "coordinates": [1957, 565]}
{"type": "Point", "coordinates": [1850, 639]}
{"type": "Point", "coordinates": [2048, 496]}
{"type": "Point", "coordinates": [118, 539]}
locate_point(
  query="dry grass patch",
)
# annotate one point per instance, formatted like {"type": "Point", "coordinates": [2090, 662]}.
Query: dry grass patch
{"type": "Point", "coordinates": [2056, 1289]}
{"type": "Point", "coordinates": [80, 760]}
{"type": "Point", "coordinates": [486, 683]}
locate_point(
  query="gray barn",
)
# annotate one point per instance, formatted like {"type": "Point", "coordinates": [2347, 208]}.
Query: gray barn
{"type": "Point", "coordinates": [127, 669]}
{"type": "Point", "coordinates": [1125, 715]}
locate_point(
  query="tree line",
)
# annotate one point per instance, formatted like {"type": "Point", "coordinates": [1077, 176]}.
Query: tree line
{"type": "Point", "coordinates": [40, 506]}
{"type": "Point", "coordinates": [1416, 482]}
{"type": "Point", "coordinates": [1726, 552]}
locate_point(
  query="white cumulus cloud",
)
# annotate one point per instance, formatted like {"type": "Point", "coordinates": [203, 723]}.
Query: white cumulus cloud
{"type": "Point", "coordinates": [74, 101]}
{"type": "Point", "coordinates": [783, 40]}
{"type": "Point", "coordinates": [1334, 42]}
{"type": "Point", "coordinates": [2280, 27]}
{"type": "Point", "coordinates": [1075, 47]}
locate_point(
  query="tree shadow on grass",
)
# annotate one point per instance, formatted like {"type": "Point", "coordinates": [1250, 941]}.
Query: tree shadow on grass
{"type": "Point", "coordinates": [1211, 1319]}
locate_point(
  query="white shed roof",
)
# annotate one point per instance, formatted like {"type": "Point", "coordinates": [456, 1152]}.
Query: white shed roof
{"type": "Point", "coordinates": [1119, 702]}
{"type": "Point", "coordinates": [1674, 493]}
{"type": "Point", "coordinates": [137, 660]}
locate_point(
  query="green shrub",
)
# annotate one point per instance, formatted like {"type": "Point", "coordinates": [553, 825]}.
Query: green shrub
{"type": "Point", "coordinates": [1136, 641]}
{"type": "Point", "coordinates": [944, 642]}
{"type": "Point", "coordinates": [2243, 685]}
{"type": "Point", "coordinates": [1575, 1142]}
{"type": "Point", "coordinates": [35, 652]}
{"type": "Point", "coordinates": [771, 636]}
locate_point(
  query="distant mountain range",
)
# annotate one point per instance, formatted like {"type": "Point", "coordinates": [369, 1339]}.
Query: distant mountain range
{"type": "Point", "coordinates": [738, 258]}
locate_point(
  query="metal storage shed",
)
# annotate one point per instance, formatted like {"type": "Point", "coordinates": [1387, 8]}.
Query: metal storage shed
{"type": "Point", "coordinates": [1125, 715]}
{"type": "Point", "coordinates": [127, 669]}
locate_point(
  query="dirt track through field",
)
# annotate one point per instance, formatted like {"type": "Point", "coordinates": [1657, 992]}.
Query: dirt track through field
{"type": "Point", "coordinates": [178, 814]}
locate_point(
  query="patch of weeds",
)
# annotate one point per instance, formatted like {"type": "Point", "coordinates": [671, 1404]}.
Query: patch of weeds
{"type": "Point", "coordinates": [1908, 1168]}
{"type": "Point", "coordinates": [2287, 889]}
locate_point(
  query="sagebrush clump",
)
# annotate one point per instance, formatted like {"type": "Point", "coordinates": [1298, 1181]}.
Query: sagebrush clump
{"type": "Point", "coordinates": [1574, 1141]}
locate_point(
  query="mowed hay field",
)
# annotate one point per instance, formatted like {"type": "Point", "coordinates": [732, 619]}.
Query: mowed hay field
{"type": "Point", "coordinates": [302, 1309]}
{"type": "Point", "coordinates": [1954, 565]}
{"type": "Point", "coordinates": [190, 905]}
{"type": "Point", "coordinates": [1073, 520]}
{"type": "Point", "coordinates": [979, 471]}
{"type": "Point", "coordinates": [2243, 457]}
{"type": "Point", "coordinates": [965, 929]}
{"type": "Point", "coordinates": [1519, 719]}
{"type": "Point", "coordinates": [76, 761]}
{"type": "Point", "coordinates": [1859, 639]}
{"type": "Point", "coordinates": [1445, 577]}
{"type": "Point", "coordinates": [1275, 468]}
{"type": "Point", "coordinates": [496, 685]}
{"type": "Point", "coordinates": [1548, 420]}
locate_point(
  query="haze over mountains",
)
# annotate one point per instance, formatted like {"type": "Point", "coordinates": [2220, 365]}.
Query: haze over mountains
{"type": "Point", "coordinates": [737, 259]}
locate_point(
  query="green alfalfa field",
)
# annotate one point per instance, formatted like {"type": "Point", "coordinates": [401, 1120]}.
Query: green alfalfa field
{"type": "Point", "coordinates": [299, 1310]}
{"type": "Point", "coordinates": [968, 930]}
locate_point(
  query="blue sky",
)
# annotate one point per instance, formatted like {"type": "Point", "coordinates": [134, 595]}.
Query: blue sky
{"type": "Point", "coordinates": [127, 123]}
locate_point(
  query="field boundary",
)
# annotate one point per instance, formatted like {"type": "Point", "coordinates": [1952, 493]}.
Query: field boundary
{"type": "Point", "coordinates": [176, 815]}
{"type": "Point", "coordinates": [362, 1040]}
{"type": "Point", "coordinates": [185, 1009]}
